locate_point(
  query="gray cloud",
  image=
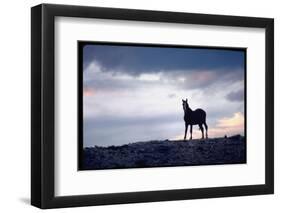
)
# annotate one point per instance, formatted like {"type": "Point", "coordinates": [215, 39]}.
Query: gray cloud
{"type": "Point", "coordinates": [106, 130]}
{"type": "Point", "coordinates": [115, 93]}
{"type": "Point", "coordinates": [106, 79]}
{"type": "Point", "coordinates": [236, 96]}
{"type": "Point", "coordinates": [172, 95]}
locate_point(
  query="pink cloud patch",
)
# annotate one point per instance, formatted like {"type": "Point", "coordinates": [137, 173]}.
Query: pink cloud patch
{"type": "Point", "coordinates": [229, 126]}
{"type": "Point", "coordinates": [88, 92]}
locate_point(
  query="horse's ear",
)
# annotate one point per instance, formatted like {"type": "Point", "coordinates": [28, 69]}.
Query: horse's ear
{"type": "Point", "coordinates": [186, 100]}
{"type": "Point", "coordinates": [182, 100]}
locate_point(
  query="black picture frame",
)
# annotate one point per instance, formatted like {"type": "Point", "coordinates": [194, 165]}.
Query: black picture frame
{"type": "Point", "coordinates": [43, 106]}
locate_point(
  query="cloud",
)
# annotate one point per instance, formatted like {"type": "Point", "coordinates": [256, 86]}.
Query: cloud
{"type": "Point", "coordinates": [107, 130]}
{"type": "Point", "coordinates": [230, 125]}
{"type": "Point", "coordinates": [103, 79]}
{"type": "Point", "coordinates": [236, 96]}
{"type": "Point", "coordinates": [88, 92]}
{"type": "Point", "coordinates": [121, 108]}
{"type": "Point", "coordinates": [125, 102]}
{"type": "Point", "coordinates": [235, 121]}
{"type": "Point", "coordinates": [172, 95]}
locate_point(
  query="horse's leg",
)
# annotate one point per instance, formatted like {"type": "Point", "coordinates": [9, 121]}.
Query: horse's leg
{"type": "Point", "coordinates": [190, 132]}
{"type": "Point", "coordinates": [186, 126]}
{"type": "Point", "coordinates": [206, 128]}
{"type": "Point", "coordinates": [202, 130]}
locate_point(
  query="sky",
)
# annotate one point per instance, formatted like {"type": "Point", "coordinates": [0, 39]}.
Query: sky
{"type": "Point", "coordinates": [134, 93]}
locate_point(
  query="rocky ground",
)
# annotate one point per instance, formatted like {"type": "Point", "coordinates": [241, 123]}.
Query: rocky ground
{"type": "Point", "coordinates": [229, 150]}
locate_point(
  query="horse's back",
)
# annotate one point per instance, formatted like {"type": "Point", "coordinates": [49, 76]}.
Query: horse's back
{"type": "Point", "coordinates": [201, 112]}
{"type": "Point", "coordinates": [200, 115]}
{"type": "Point", "coordinates": [197, 116]}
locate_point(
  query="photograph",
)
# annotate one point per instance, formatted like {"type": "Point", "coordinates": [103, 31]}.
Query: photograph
{"type": "Point", "coordinates": [160, 105]}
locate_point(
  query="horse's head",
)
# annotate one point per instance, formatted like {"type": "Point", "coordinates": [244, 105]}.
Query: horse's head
{"type": "Point", "coordinates": [184, 104]}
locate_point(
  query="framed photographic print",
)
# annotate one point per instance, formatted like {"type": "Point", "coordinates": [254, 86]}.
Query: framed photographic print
{"type": "Point", "coordinates": [140, 106]}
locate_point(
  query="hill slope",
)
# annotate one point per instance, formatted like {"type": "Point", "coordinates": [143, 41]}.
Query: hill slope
{"type": "Point", "coordinates": [230, 150]}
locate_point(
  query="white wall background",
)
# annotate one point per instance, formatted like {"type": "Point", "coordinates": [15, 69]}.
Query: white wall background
{"type": "Point", "coordinates": [15, 105]}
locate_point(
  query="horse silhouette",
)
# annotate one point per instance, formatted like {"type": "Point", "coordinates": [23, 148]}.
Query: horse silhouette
{"type": "Point", "coordinates": [196, 117]}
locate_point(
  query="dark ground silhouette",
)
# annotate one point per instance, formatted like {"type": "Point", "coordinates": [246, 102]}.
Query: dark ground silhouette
{"type": "Point", "coordinates": [230, 150]}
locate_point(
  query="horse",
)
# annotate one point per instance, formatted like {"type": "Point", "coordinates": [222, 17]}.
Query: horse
{"type": "Point", "coordinates": [196, 117]}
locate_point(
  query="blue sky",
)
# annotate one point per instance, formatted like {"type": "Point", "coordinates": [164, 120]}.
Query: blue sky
{"type": "Point", "coordinates": [133, 93]}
